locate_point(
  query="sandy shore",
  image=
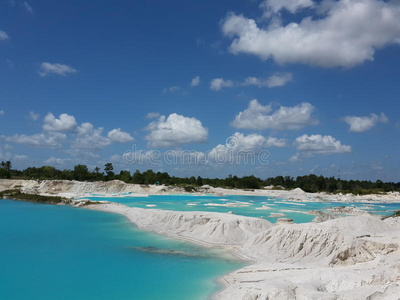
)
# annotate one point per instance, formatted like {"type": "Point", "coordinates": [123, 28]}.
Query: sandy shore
{"type": "Point", "coordinates": [345, 258]}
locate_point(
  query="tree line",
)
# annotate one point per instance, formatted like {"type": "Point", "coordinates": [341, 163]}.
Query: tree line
{"type": "Point", "coordinates": [308, 183]}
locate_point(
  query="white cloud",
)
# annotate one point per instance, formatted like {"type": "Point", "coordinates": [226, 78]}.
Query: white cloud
{"type": "Point", "coordinates": [311, 145]}
{"type": "Point", "coordinates": [11, 156]}
{"type": "Point", "coordinates": [275, 142]}
{"type": "Point", "coordinates": [33, 116]}
{"type": "Point", "coordinates": [118, 136]}
{"type": "Point", "coordinates": [175, 130]}
{"type": "Point", "coordinates": [272, 81]}
{"type": "Point", "coordinates": [218, 83]}
{"type": "Point", "coordinates": [90, 138]}
{"type": "Point", "coordinates": [1, 112]}
{"type": "Point", "coordinates": [57, 161]}
{"type": "Point", "coordinates": [172, 89]}
{"type": "Point", "coordinates": [320, 144]}
{"type": "Point", "coordinates": [359, 124]}
{"type": "Point", "coordinates": [49, 140]}
{"type": "Point", "coordinates": [3, 36]}
{"type": "Point", "coordinates": [347, 35]}
{"type": "Point", "coordinates": [64, 122]}
{"type": "Point", "coordinates": [195, 81]}
{"type": "Point", "coordinates": [243, 148]}
{"type": "Point", "coordinates": [153, 115]}
{"type": "Point", "coordinates": [27, 7]}
{"type": "Point", "coordinates": [292, 6]}
{"type": "Point", "coordinates": [251, 142]}
{"type": "Point", "coordinates": [82, 153]}
{"type": "Point", "coordinates": [20, 157]}
{"type": "Point", "coordinates": [58, 69]}
{"type": "Point", "coordinates": [257, 116]}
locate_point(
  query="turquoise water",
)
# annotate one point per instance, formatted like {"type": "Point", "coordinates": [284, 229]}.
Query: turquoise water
{"type": "Point", "coordinates": [61, 252]}
{"type": "Point", "coordinates": [246, 205]}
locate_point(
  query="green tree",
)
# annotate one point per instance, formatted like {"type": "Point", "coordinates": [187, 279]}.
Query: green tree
{"type": "Point", "coordinates": [81, 172]}
{"type": "Point", "coordinates": [109, 168]}
{"type": "Point", "coordinates": [125, 176]}
{"type": "Point", "coordinates": [8, 166]}
{"type": "Point", "coordinates": [199, 181]}
{"type": "Point", "coordinates": [138, 177]}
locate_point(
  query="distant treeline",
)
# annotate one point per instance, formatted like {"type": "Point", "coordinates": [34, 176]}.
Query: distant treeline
{"type": "Point", "coordinates": [308, 183]}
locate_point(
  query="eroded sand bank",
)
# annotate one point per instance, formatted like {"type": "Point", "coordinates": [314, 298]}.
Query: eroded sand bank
{"type": "Point", "coordinates": [346, 258]}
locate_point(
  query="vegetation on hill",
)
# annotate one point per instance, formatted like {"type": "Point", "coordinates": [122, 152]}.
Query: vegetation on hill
{"type": "Point", "coordinates": [18, 195]}
{"type": "Point", "coordinates": [308, 183]}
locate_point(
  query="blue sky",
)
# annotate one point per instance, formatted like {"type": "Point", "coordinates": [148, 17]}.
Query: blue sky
{"type": "Point", "coordinates": [314, 83]}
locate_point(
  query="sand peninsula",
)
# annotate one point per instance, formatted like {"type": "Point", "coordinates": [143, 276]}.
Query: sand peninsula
{"type": "Point", "coordinates": [355, 257]}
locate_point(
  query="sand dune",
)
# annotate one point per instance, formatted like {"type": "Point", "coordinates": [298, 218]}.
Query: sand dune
{"type": "Point", "coordinates": [346, 258]}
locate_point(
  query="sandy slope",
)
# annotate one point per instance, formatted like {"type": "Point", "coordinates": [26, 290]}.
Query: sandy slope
{"type": "Point", "coordinates": [347, 258]}
{"type": "Point", "coordinates": [209, 228]}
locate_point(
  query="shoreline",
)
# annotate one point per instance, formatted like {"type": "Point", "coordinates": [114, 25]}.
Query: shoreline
{"type": "Point", "coordinates": [116, 188]}
{"type": "Point", "coordinates": [224, 284]}
{"type": "Point", "coordinates": [346, 258]}
{"type": "Point", "coordinates": [221, 280]}
{"type": "Point", "coordinates": [370, 239]}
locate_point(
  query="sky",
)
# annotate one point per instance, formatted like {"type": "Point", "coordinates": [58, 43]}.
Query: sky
{"type": "Point", "coordinates": [203, 88]}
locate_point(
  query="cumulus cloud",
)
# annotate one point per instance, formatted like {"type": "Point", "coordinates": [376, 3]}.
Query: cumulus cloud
{"type": "Point", "coordinates": [153, 115]}
{"type": "Point", "coordinates": [50, 140]}
{"type": "Point", "coordinates": [90, 138]}
{"type": "Point", "coordinates": [11, 156]}
{"type": "Point", "coordinates": [360, 124]}
{"type": "Point", "coordinates": [175, 130]}
{"type": "Point", "coordinates": [253, 142]}
{"type": "Point", "coordinates": [274, 142]}
{"type": "Point", "coordinates": [311, 145]}
{"type": "Point", "coordinates": [276, 80]}
{"type": "Point", "coordinates": [33, 116]}
{"type": "Point", "coordinates": [65, 122]}
{"type": "Point", "coordinates": [346, 35]}
{"type": "Point", "coordinates": [274, 6]}
{"type": "Point", "coordinates": [1, 112]}
{"type": "Point", "coordinates": [218, 83]}
{"type": "Point", "coordinates": [257, 116]}
{"type": "Point", "coordinates": [317, 143]}
{"type": "Point", "coordinates": [243, 148]}
{"type": "Point", "coordinates": [58, 69]}
{"type": "Point", "coordinates": [195, 81]}
{"type": "Point", "coordinates": [3, 36]}
{"type": "Point", "coordinates": [118, 136]}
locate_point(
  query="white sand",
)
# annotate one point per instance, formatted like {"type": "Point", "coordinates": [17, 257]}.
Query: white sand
{"type": "Point", "coordinates": [208, 228]}
{"type": "Point", "coordinates": [346, 258]}
{"type": "Point", "coordinates": [263, 207]}
{"type": "Point", "coordinates": [276, 215]}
